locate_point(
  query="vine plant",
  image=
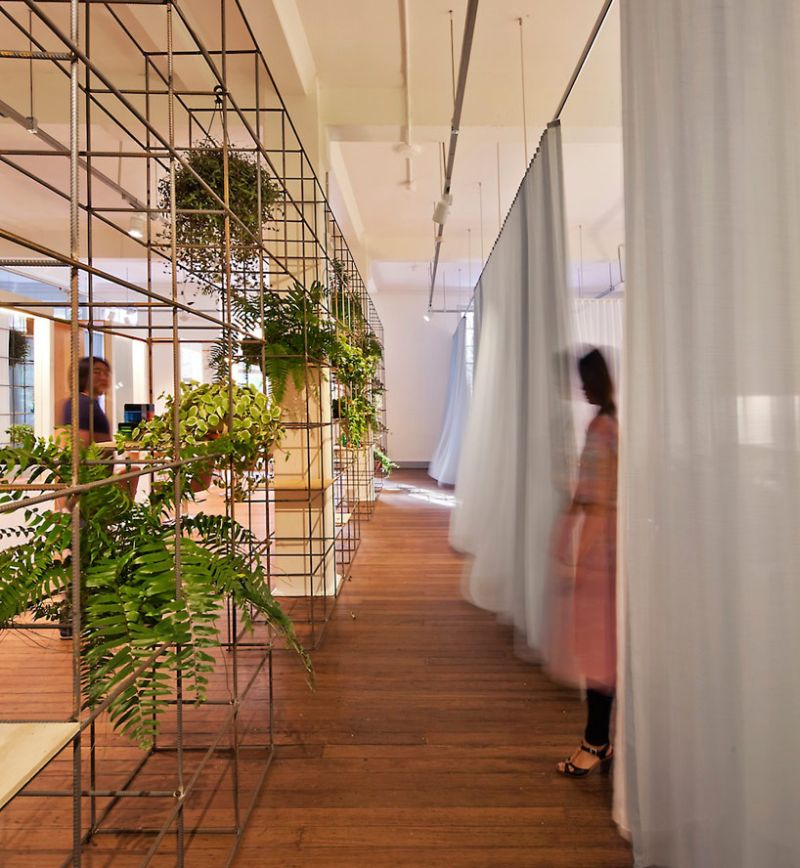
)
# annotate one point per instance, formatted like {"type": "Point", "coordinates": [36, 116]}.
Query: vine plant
{"type": "Point", "coordinates": [199, 225]}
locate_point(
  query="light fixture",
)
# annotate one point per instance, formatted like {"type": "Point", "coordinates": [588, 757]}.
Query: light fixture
{"type": "Point", "coordinates": [407, 150]}
{"type": "Point", "coordinates": [427, 317]}
{"type": "Point", "coordinates": [31, 124]}
{"type": "Point", "coordinates": [137, 226]}
{"type": "Point", "coordinates": [442, 210]}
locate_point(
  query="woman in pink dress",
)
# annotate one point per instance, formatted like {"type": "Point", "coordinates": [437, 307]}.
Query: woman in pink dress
{"type": "Point", "coordinates": [595, 501]}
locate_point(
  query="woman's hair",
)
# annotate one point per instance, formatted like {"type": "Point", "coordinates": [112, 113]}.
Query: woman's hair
{"type": "Point", "coordinates": [85, 366]}
{"type": "Point", "coordinates": [597, 381]}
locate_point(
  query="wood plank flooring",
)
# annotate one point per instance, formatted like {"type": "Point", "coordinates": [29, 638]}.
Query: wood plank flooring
{"type": "Point", "coordinates": [426, 742]}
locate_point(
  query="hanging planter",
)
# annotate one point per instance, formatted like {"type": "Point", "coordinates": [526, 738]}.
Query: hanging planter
{"type": "Point", "coordinates": [200, 237]}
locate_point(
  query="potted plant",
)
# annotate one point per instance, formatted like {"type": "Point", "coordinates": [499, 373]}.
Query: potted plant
{"type": "Point", "coordinates": [296, 336]}
{"type": "Point", "coordinates": [205, 414]}
{"type": "Point", "coordinates": [131, 612]}
{"type": "Point", "coordinates": [384, 463]}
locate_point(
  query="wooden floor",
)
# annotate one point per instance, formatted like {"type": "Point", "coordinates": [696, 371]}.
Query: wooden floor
{"type": "Point", "coordinates": [426, 742]}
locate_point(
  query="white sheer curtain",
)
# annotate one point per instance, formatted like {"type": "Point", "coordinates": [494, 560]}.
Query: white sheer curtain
{"type": "Point", "coordinates": [477, 309]}
{"type": "Point", "coordinates": [711, 432]}
{"type": "Point", "coordinates": [599, 322]}
{"type": "Point", "coordinates": [514, 470]}
{"type": "Point", "coordinates": [444, 464]}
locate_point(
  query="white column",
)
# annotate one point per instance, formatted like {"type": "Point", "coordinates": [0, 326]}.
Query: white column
{"type": "Point", "coordinates": [43, 375]}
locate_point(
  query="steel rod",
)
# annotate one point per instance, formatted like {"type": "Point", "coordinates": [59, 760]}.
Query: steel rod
{"type": "Point", "coordinates": [595, 32]}
{"type": "Point", "coordinates": [466, 50]}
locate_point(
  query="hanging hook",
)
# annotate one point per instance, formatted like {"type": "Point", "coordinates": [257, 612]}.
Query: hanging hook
{"type": "Point", "coordinates": [219, 93]}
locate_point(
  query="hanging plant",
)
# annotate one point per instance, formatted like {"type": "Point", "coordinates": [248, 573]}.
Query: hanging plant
{"type": "Point", "coordinates": [133, 618]}
{"type": "Point", "coordinates": [200, 238]}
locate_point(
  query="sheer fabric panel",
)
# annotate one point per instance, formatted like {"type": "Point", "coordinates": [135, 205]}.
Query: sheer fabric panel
{"type": "Point", "coordinates": [516, 458]}
{"type": "Point", "coordinates": [599, 322]}
{"type": "Point", "coordinates": [711, 432]}
{"type": "Point", "coordinates": [444, 464]}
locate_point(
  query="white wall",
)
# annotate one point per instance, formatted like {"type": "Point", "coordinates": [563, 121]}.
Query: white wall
{"type": "Point", "coordinates": [417, 356]}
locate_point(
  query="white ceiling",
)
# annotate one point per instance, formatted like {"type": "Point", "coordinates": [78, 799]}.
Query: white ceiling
{"type": "Point", "coordinates": [360, 83]}
{"type": "Point", "coordinates": [339, 65]}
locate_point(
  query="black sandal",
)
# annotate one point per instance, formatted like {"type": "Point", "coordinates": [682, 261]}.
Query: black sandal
{"type": "Point", "coordinates": [604, 754]}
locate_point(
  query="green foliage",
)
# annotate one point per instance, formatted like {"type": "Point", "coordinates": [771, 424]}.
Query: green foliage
{"type": "Point", "coordinates": [296, 333]}
{"type": "Point", "coordinates": [356, 373]}
{"type": "Point", "coordinates": [142, 621]}
{"type": "Point", "coordinates": [205, 432]}
{"type": "Point", "coordinates": [345, 305]}
{"type": "Point", "coordinates": [200, 238]}
{"type": "Point", "coordinates": [386, 464]}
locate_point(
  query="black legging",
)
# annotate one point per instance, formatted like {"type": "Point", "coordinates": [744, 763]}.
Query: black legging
{"type": "Point", "coordinates": [598, 718]}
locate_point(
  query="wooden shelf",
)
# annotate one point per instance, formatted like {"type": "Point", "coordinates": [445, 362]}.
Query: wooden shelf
{"type": "Point", "coordinates": [25, 749]}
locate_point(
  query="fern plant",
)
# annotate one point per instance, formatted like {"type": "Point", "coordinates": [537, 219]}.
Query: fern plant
{"type": "Point", "coordinates": [296, 333]}
{"type": "Point", "coordinates": [142, 622]}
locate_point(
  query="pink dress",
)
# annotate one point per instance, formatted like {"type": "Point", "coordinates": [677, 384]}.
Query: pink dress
{"type": "Point", "coordinates": [596, 565]}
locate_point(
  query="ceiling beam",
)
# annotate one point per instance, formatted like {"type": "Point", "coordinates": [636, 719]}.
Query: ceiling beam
{"type": "Point", "coordinates": [338, 169]}
{"type": "Point", "coordinates": [278, 28]}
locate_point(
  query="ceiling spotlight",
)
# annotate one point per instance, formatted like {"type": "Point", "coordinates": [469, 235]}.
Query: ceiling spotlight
{"type": "Point", "coordinates": [442, 209]}
{"type": "Point", "coordinates": [32, 125]}
{"type": "Point", "coordinates": [137, 226]}
{"type": "Point", "coordinates": [427, 317]}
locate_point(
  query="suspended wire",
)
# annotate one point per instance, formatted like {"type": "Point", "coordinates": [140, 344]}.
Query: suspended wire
{"type": "Point", "coordinates": [522, 74]}
{"type": "Point", "coordinates": [30, 61]}
{"type": "Point", "coordinates": [218, 93]}
{"type": "Point", "coordinates": [499, 206]}
{"type": "Point", "coordinates": [453, 57]}
{"type": "Point", "coordinates": [480, 214]}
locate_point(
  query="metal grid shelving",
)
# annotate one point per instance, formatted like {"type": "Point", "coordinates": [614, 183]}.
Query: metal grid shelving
{"type": "Point", "coordinates": [132, 87]}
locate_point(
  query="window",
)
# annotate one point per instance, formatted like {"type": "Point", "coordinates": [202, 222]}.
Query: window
{"type": "Point", "coordinates": [16, 372]}
{"type": "Point", "coordinates": [469, 347]}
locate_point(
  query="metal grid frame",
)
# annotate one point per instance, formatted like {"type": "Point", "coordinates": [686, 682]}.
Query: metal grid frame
{"type": "Point", "coordinates": [158, 123]}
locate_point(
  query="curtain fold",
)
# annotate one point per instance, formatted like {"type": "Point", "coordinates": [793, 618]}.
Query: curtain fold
{"type": "Point", "coordinates": [599, 322]}
{"type": "Point", "coordinates": [710, 482]}
{"type": "Point", "coordinates": [516, 456]}
{"type": "Point", "coordinates": [444, 464]}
